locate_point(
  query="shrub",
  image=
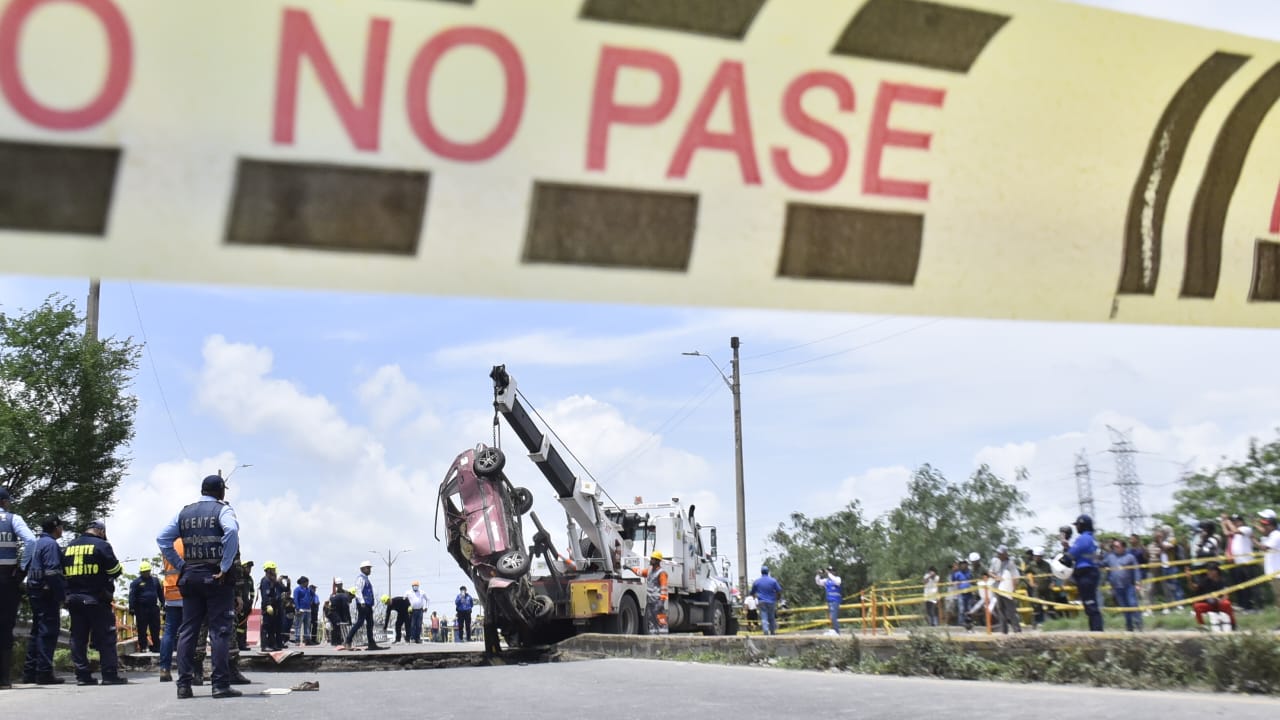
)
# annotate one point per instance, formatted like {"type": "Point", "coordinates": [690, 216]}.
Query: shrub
{"type": "Point", "coordinates": [1244, 662]}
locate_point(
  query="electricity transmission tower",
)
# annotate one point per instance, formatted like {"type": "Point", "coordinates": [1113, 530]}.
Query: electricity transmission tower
{"type": "Point", "coordinates": [1084, 485]}
{"type": "Point", "coordinates": [1127, 480]}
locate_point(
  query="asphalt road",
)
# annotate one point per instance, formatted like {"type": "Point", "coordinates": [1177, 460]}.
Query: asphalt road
{"type": "Point", "coordinates": [557, 691]}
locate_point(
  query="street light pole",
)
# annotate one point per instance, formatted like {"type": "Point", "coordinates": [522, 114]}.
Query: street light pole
{"type": "Point", "coordinates": [737, 449]}
{"type": "Point", "coordinates": [735, 387]}
{"type": "Point", "coordinates": [389, 561]}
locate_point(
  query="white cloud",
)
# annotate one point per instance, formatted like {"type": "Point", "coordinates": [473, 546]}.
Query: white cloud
{"type": "Point", "coordinates": [145, 503]}
{"type": "Point", "coordinates": [235, 386]}
{"type": "Point", "coordinates": [878, 489]}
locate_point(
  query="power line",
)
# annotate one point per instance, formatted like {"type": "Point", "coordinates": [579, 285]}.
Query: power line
{"type": "Point", "coordinates": [156, 374]}
{"type": "Point", "coordinates": [846, 350]}
{"type": "Point", "coordinates": [821, 339]}
{"type": "Point", "coordinates": [701, 396]}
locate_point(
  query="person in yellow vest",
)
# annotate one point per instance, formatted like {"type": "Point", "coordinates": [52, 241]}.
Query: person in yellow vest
{"type": "Point", "coordinates": [656, 588]}
{"type": "Point", "coordinates": [172, 616]}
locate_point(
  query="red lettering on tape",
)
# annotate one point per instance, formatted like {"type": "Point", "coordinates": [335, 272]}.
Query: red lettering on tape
{"type": "Point", "coordinates": [606, 111]}
{"type": "Point", "coordinates": [298, 39]}
{"type": "Point", "coordinates": [420, 82]}
{"type": "Point", "coordinates": [883, 136]}
{"type": "Point", "coordinates": [727, 81]}
{"type": "Point", "coordinates": [1275, 214]}
{"type": "Point", "coordinates": [119, 67]}
{"type": "Point", "coordinates": [837, 148]}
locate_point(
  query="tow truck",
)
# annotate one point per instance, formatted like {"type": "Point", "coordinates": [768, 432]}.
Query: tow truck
{"type": "Point", "coordinates": [594, 586]}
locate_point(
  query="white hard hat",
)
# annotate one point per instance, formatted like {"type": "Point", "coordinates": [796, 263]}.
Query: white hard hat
{"type": "Point", "coordinates": [337, 581]}
{"type": "Point", "coordinates": [1059, 567]}
{"type": "Point", "coordinates": [366, 564]}
{"type": "Point", "coordinates": [974, 557]}
{"type": "Point", "coordinates": [1038, 552]}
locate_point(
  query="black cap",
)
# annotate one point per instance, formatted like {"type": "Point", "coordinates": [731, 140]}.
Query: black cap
{"type": "Point", "coordinates": [213, 483]}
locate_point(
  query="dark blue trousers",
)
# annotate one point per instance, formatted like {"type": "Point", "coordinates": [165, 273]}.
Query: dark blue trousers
{"type": "Point", "coordinates": [1087, 584]}
{"type": "Point", "coordinates": [45, 625]}
{"type": "Point", "coordinates": [89, 617]}
{"type": "Point", "coordinates": [204, 598]}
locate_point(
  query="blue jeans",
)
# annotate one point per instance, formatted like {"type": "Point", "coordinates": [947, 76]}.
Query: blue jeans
{"type": "Point", "coordinates": [169, 638]}
{"type": "Point", "coordinates": [833, 609]}
{"type": "Point", "coordinates": [769, 618]}
{"type": "Point", "coordinates": [302, 626]}
{"type": "Point", "coordinates": [1172, 586]}
{"type": "Point", "coordinates": [415, 626]}
{"type": "Point", "coordinates": [1128, 597]}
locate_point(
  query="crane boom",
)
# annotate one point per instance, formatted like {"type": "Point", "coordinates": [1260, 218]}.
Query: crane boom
{"type": "Point", "coordinates": [578, 497]}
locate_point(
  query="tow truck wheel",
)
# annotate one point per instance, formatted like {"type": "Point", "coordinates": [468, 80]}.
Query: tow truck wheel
{"type": "Point", "coordinates": [489, 461]}
{"type": "Point", "coordinates": [627, 621]}
{"type": "Point", "coordinates": [512, 565]}
{"type": "Point", "coordinates": [522, 499]}
{"type": "Point", "coordinates": [719, 619]}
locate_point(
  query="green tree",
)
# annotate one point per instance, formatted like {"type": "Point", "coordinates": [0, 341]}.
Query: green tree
{"type": "Point", "coordinates": [66, 413]}
{"type": "Point", "coordinates": [1245, 486]}
{"type": "Point", "coordinates": [810, 544]}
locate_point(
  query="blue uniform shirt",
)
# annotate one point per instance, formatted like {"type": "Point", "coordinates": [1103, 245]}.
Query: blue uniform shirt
{"type": "Point", "coordinates": [230, 538]}
{"type": "Point", "coordinates": [1084, 550]}
{"type": "Point", "coordinates": [766, 589]}
{"type": "Point", "coordinates": [12, 530]}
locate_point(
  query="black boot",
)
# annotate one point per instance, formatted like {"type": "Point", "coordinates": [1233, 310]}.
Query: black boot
{"type": "Point", "coordinates": [237, 677]}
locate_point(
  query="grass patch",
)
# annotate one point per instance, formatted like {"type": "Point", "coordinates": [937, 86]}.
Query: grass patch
{"type": "Point", "coordinates": [1265, 620]}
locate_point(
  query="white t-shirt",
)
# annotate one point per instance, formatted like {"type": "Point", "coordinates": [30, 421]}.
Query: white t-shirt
{"type": "Point", "coordinates": [751, 603]}
{"type": "Point", "coordinates": [1242, 543]}
{"type": "Point", "coordinates": [931, 588]}
{"type": "Point", "coordinates": [1271, 561]}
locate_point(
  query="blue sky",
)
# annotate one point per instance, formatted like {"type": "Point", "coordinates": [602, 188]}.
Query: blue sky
{"type": "Point", "coordinates": [351, 407]}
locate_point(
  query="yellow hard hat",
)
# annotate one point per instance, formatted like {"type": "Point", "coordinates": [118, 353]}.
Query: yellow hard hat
{"type": "Point", "coordinates": [269, 565]}
{"type": "Point", "coordinates": [144, 566]}
{"type": "Point", "coordinates": [657, 555]}
{"type": "Point", "coordinates": [386, 599]}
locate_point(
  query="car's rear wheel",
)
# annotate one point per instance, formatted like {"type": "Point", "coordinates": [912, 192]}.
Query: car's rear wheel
{"type": "Point", "coordinates": [522, 500]}
{"type": "Point", "coordinates": [513, 564]}
{"type": "Point", "coordinates": [489, 461]}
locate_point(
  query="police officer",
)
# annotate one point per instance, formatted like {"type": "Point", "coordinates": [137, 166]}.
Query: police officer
{"type": "Point", "coordinates": [91, 568]}
{"type": "Point", "coordinates": [12, 530]}
{"type": "Point", "coordinates": [45, 592]}
{"type": "Point", "coordinates": [1084, 551]}
{"type": "Point", "coordinates": [210, 539]}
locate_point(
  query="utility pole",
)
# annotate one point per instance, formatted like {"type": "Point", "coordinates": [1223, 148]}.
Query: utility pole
{"type": "Point", "coordinates": [389, 560]}
{"type": "Point", "coordinates": [1084, 485]}
{"type": "Point", "coordinates": [91, 310]}
{"type": "Point", "coordinates": [1127, 480]}
{"type": "Point", "coordinates": [736, 387]}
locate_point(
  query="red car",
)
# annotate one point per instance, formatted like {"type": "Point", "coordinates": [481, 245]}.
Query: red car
{"type": "Point", "coordinates": [484, 534]}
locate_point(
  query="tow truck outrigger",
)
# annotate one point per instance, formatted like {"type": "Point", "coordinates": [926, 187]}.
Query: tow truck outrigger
{"type": "Point", "coordinates": [591, 588]}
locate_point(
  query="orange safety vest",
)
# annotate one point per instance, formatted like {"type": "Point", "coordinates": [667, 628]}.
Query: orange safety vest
{"type": "Point", "coordinates": [171, 592]}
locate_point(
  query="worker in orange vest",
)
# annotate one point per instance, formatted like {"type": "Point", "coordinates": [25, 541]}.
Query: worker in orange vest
{"type": "Point", "coordinates": [656, 589]}
{"type": "Point", "coordinates": [172, 616]}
